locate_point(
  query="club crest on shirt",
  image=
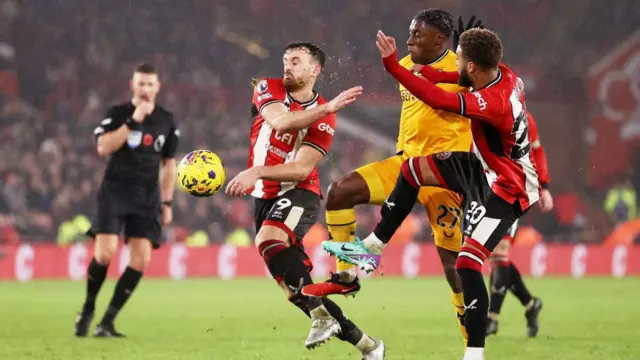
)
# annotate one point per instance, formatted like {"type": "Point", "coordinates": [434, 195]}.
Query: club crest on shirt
{"type": "Point", "coordinates": [134, 139]}
{"type": "Point", "coordinates": [444, 155]}
{"type": "Point", "coordinates": [159, 143]}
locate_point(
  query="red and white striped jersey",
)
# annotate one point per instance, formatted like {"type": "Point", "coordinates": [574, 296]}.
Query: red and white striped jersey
{"type": "Point", "coordinates": [501, 137]}
{"type": "Point", "coordinates": [269, 147]}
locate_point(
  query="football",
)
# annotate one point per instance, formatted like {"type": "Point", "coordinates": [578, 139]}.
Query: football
{"type": "Point", "coordinates": [201, 173]}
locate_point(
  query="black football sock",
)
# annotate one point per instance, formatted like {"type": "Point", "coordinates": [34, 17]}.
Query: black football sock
{"type": "Point", "coordinates": [398, 205]}
{"type": "Point", "coordinates": [500, 282]}
{"type": "Point", "coordinates": [124, 288]}
{"type": "Point", "coordinates": [286, 264]}
{"type": "Point", "coordinates": [349, 331]}
{"type": "Point", "coordinates": [517, 286]}
{"type": "Point", "coordinates": [476, 302]}
{"type": "Point", "coordinates": [96, 273]}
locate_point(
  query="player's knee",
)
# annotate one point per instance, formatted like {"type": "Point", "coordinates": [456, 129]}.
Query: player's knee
{"type": "Point", "coordinates": [103, 256]}
{"type": "Point", "coordinates": [347, 192]}
{"type": "Point", "coordinates": [105, 248]}
{"type": "Point", "coordinates": [140, 260]}
{"type": "Point", "coordinates": [140, 254]}
{"type": "Point", "coordinates": [334, 197]}
{"type": "Point", "coordinates": [502, 248]}
{"type": "Point", "coordinates": [268, 232]}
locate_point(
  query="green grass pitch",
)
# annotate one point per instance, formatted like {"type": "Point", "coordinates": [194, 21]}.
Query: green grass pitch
{"type": "Point", "coordinates": [594, 318]}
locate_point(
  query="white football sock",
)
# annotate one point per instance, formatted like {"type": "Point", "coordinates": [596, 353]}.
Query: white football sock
{"type": "Point", "coordinates": [474, 353]}
{"type": "Point", "coordinates": [373, 244]}
{"type": "Point", "coordinates": [366, 344]}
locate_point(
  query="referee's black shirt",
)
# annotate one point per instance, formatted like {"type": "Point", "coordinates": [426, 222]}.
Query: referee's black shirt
{"type": "Point", "coordinates": [134, 168]}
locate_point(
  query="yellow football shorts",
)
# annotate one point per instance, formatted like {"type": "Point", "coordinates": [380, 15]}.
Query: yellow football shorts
{"type": "Point", "coordinates": [443, 206]}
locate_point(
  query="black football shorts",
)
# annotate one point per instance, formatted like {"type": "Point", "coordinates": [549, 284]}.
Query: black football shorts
{"type": "Point", "coordinates": [295, 212]}
{"type": "Point", "coordinates": [487, 217]}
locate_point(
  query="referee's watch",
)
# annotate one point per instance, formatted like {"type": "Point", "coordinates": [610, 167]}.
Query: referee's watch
{"type": "Point", "coordinates": [167, 203]}
{"type": "Point", "coordinates": [132, 124]}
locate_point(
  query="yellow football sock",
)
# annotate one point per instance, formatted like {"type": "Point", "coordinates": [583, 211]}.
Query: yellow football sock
{"type": "Point", "coordinates": [342, 227]}
{"type": "Point", "coordinates": [457, 300]}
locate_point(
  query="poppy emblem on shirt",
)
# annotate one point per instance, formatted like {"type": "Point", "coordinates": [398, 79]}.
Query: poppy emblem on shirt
{"type": "Point", "coordinates": [147, 140]}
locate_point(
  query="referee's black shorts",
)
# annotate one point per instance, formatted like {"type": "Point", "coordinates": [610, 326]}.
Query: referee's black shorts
{"type": "Point", "coordinates": [136, 212]}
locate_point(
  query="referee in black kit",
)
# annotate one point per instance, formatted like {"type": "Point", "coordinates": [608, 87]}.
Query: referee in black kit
{"type": "Point", "coordinates": [139, 138]}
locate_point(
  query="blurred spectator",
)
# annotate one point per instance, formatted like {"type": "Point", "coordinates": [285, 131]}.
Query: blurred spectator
{"type": "Point", "coordinates": [621, 202]}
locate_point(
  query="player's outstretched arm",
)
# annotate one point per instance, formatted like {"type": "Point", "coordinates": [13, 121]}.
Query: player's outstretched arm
{"type": "Point", "coordinates": [296, 171]}
{"type": "Point", "coordinates": [281, 119]}
{"type": "Point", "coordinates": [426, 91]}
{"type": "Point", "coordinates": [437, 76]}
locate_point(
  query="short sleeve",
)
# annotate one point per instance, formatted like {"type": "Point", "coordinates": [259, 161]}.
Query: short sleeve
{"type": "Point", "coordinates": [320, 135]}
{"type": "Point", "coordinates": [171, 145]}
{"type": "Point", "coordinates": [268, 91]}
{"type": "Point", "coordinates": [109, 123]}
{"type": "Point", "coordinates": [483, 105]}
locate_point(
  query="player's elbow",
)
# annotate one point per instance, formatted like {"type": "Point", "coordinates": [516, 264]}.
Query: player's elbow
{"type": "Point", "coordinates": [102, 150]}
{"type": "Point", "coordinates": [303, 171]}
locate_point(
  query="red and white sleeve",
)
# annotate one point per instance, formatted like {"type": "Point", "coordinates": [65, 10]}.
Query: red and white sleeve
{"type": "Point", "coordinates": [320, 134]}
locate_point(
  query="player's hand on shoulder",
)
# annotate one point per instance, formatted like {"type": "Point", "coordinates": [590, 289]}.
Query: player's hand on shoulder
{"type": "Point", "coordinates": [386, 44]}
{"type": "Point", "coordinates": [243, 182]}
{"type": "Point", "coordinates": [143, 109]}
{"type": "Point", "coordinates": [344, 98]}
{"type": "Point", "coordinates": [473, 23]}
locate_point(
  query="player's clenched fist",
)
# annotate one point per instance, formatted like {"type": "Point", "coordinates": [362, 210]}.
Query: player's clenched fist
{"type": "Point", "coordinates": [386, 44]}
{"type": "Point", "coordinates": [243, 182]}
{"type": "Point", "coordinates": [143, 109]}
{"type": "Point", "coordinates": [344, 98]}
{"type": "Point", "coordinates": [546, 201]}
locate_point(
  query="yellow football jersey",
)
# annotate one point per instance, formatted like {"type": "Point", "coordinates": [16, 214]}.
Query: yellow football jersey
{"type": "Point", "coordinates": [424, 130]}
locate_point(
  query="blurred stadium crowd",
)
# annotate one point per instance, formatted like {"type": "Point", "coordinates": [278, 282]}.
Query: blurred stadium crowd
{"type": "Point", "coordinates": [62, 63]}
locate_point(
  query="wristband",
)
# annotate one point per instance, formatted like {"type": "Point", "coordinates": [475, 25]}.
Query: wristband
{"type": "Point", "coordinates": [544, 185]}
{"type": "Point", "coordinates": [132, 124]}
{"type": "Point", "coordinates": [167, 203]}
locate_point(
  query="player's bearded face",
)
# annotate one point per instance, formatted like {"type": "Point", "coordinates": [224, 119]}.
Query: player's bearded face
{"type": "Point", "coordinates": [465, 80]}
{"type": "Point", "coordinates": [463, 63]}
{"type": "Point", "coordinates": [145, 86]}
{"type": "Point", "coordinates": [299, 69]}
